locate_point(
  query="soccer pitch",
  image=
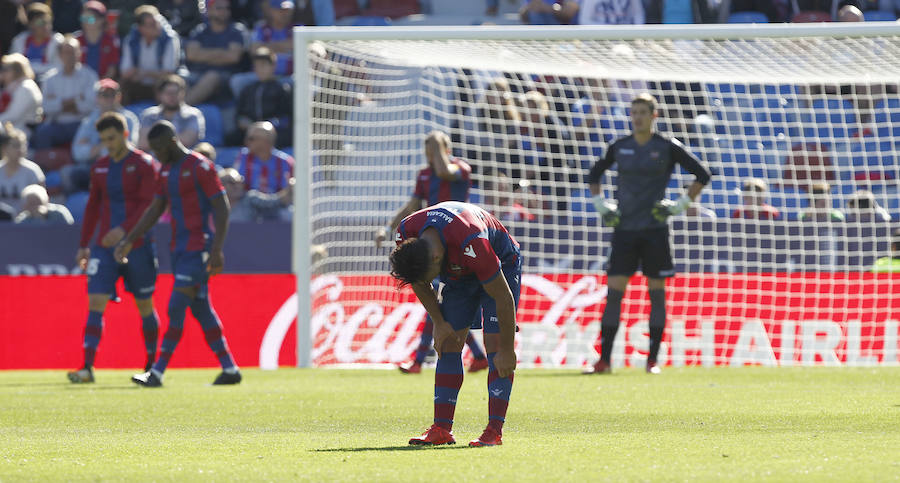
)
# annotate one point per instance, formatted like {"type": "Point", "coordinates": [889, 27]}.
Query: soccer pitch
{"type": "Point", "coordinates": [738, 424]}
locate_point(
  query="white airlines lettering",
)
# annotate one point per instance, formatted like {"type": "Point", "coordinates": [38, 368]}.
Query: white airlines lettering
{"type": "Point", "coordinates": [440, 214]}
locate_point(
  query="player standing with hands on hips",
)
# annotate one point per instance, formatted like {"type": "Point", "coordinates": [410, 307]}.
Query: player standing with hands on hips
{"type": "Point", "coordinates": [479, 263]}
{"type": "Point", "coordinates": [645, 161]}
{"type": "Point", "coordinates": [191, 188]}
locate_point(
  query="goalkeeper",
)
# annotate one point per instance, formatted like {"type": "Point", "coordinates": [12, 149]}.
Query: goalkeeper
{"type": "Point", "coordinates": [644, 161]}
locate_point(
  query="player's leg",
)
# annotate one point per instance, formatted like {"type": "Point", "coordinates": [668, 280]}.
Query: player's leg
{"type": "Point", "coordinates": [499, 388]}
{"type": "Point", "coordinates": [479, 358]}
{"type": "Point", "coordinates": [623, 262]}
{"type": "Point", "coordinates": [215, 339]}
{"type": "Point", "coordinates": [657, 265]}
{"type": "Point", "coordinates": [459, 307]}
{"type": "Point", "coordinates": [102, 272]}
{"type": "Point", "coordinates": [140, 280]}
{"type": "Point", "coordinates": [149, 328]}
{"type": "Point", "coordinates": [415, 366]}
{"type": "Point", "coordinates": [185, 269]}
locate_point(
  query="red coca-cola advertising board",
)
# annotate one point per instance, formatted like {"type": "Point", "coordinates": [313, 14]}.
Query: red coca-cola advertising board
{"type": "Point", "coordinates": [713, 319]}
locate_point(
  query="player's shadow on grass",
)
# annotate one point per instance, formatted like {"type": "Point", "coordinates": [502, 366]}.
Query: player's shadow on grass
{"type": "Point", "coordinates": [390, 448]}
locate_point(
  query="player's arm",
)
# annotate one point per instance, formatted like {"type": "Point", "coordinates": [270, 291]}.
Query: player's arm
{"type": "Point", "coordinates": [666, 208]}
{"type": "Point", "coordinates": [442, 329]}
{"type": "Point", "coordinates": [148, 219]}
{"type": "Point", "coordinates": [608, 210]}
{"type": "Point", "coordinates": [221, 209]}
{"type": "Point", "coordinates": [89, 223]}
{"type": "Point", "coordinates": [498, 289]}
{"type": "Point", "coordinates": [414, 204]}
{"type": "Point", "coordinates": [443, 168]}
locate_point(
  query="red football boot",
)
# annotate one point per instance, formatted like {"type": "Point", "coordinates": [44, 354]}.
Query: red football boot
{"type": "Point", "coordinates": [410, 367]}
{"type": "Point", "coordinates": [601, 367]}
{"type": "Point", "coordinates": [489, 437]}
{"type": "Point", "coordinates": [435, 436]}
{"type": "Point", "coordinates": [478, 365]}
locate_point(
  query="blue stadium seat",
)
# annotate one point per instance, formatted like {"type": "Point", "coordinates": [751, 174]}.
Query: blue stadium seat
{"type": "Point", "coordinates": [76, 202]}
{"type": "Point", "coordinates": [748, 17]}
{"type": "Point", "coordinates": [879, 16]}
{"type": "Point", "coordinates": [215, 127]}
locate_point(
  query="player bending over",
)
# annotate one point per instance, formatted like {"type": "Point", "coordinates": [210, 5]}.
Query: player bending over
{"type": "Point", "coordinates": [122, 186]}
{"type": "Point", "coordinates": [479, 263]}
{"type": "Point", "coordinates": [645, 161]}
{"type": "Point", "coordinates": [190, 186]}
{"type": "Point", "coordinates": [444, 179]}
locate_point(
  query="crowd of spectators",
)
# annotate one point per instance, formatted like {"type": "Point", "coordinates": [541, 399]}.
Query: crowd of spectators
{"type": "Point", "coordinates": [221, 72]}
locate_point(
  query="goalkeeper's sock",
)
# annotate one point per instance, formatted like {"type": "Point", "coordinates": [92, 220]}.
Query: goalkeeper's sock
{"type": "Point", "coordinates": [609, 323]}
{"type": "Point", "coordinates": [178, 304]}
{"type": "Point", "coordinates": [657, 321]}
{"type": "Point", "coordinates": [499, 389]}
{"type": "Point", "coordinates": [425, 340]}
{"type": "Point", "coordinates": [477, 353]}
{"type": "Point", "coordinates": [212, 331]}
{"type": "Point", "coordinates": [448, 378]}
{"type": "Point", "coordinates": [150, 329]}
{"type": "Point", "coordinates": [93, 330]}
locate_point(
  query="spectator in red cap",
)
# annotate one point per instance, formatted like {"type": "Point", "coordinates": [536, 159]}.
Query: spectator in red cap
{"type": "Point", "coordinates": [100, 48]}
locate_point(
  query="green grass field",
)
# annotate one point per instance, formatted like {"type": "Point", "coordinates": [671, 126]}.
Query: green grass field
{"type": "Point", "coordinates": [813, 424]}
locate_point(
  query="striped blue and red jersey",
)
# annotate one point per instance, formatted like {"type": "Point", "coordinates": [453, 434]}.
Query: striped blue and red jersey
{"type": "Point", "coordinates": [119, 194]}
{"type": "Point", "coordinates": [265, 175]}
{"type": "Point", "coordinates": [476, 243]}
{"type": "Point", "coordinates": [189, 186]}
{"type": "Point", "coordinates": [433, 190]}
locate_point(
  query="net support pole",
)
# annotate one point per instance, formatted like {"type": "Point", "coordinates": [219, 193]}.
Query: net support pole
{"type": "Point", "coordinates": [302, 226]}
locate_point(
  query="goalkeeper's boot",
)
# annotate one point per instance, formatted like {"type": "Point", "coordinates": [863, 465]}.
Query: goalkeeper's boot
{"type": "Point", "coordinates": [147, 379]}
{"type": "Point", "coordinates": [435, 436]}
{"type": "Point", "coordinates": [478, 365]}
{"type": "Point", "coordinates": [652, 368]}
{"type": "Point", "coordinates": [224, 378]}
{"type": "Point", "coordinates": [490, 437]}
{"type": "Point", "coordinates": [601, 367]}
{"type": "Point", "coordinates": [81, 376]}
{"type": "Point", "coordinates": [410, 367]}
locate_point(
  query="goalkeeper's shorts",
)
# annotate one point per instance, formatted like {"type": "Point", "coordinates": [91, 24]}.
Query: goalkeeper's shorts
{"type": "Point", "coordinates": [646, 249]}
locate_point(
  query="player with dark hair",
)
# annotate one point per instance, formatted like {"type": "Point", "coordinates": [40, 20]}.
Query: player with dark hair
{"type": "Point", "coordinates": [444, 179]}
{"type": "Point", "coordinates": [478, 262]}
{"type": "Point", "coordinates": [645, 161]}
{"type": "Point", "coordinates": [122, 186]}
{"type": "Point", "coordinates": [191, 188]}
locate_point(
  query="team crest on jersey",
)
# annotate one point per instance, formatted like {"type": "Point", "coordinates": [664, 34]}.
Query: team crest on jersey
{"type": "Point", "coordinates": [101, 170]}
{"type": "Point", "coordinates": [130, 169]}
{"type": "Point", "coordinates": [626, 151]}
{"type": "Point", "coordinates": [185, 174]}
{"type": "Point", "coordinates": [654, 154]}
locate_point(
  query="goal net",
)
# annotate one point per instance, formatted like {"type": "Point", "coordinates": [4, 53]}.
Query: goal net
{"type": "Point", "coordinates": [799, 125]}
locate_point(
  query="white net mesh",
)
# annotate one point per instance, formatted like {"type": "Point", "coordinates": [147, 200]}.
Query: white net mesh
{"type": "Point", "coordinates": [801, 134]}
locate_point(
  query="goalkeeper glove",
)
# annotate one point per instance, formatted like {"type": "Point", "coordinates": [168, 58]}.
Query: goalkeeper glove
{"type": "Point", "coordinates": [663, 209]}
{"type": "Point", "coordinates": [608, 210]}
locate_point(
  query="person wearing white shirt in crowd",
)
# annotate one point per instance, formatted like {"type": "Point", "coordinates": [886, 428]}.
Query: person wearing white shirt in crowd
{"type": "Point", "coordinates": [39, 44]}
{"type": "Point", "coordinates": [68, 98]}
{"type": "Point", "coordinates": [25, 98]}
{"type": "Point", "coordinates": [38, 210]}
{"type": "Point", "coordinates": [16, 172]}
{"type": "Point", "coordinates": [611, 12]}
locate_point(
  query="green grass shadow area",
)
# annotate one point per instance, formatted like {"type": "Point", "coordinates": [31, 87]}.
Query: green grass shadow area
{"type": "Point", "coordinates": [697, 424]}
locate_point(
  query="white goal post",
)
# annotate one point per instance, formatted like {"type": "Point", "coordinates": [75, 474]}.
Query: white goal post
{"type": "Point", "coordinates": [773, 110]}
